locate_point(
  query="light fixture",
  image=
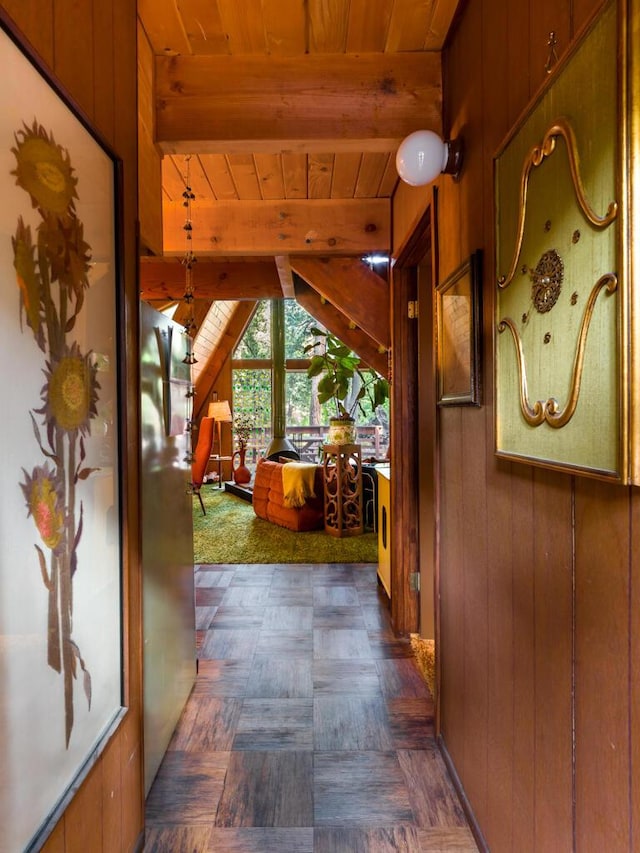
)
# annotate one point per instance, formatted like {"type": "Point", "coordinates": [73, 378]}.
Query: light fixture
{"type": "Point", "coordinates": [423, 155]}
{"type": "Point", "coordinates": [221, 411]}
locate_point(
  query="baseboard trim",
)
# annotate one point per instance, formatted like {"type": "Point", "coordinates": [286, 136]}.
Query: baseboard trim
{"type": "Point", "coordinates": [466, 806]}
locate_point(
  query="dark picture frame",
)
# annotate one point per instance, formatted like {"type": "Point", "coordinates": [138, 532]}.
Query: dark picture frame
{"type": "Point", "coordinates": [458, 316]}
{"type": "Point", "coordinates": [61, 541]}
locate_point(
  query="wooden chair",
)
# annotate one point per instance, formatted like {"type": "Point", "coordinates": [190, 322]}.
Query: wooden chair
{"type": "Point", "coordinates": [201, 457]}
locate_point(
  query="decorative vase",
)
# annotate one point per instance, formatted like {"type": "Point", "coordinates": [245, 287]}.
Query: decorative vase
{"type": "Point", "coordinates": [241, 474]}
{"type": "Point", "coordinates": [342, 431]}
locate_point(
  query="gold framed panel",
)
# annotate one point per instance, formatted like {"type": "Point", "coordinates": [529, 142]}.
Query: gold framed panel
{"type": "Point", "coordinates": [562, 345]}
{"type": "Point", "coordinates": [458, 313]}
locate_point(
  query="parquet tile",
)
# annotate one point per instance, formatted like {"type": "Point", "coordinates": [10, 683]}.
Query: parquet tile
{"type": "Point", "coordinates": [309, 728]}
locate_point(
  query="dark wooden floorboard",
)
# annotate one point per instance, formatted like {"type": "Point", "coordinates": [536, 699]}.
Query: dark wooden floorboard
{"type": "Point", "coordinates": [309, 728]}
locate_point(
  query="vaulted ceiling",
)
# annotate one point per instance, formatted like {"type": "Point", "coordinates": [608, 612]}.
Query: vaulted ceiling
{"type": "Point", "coordinates": [289, 113]}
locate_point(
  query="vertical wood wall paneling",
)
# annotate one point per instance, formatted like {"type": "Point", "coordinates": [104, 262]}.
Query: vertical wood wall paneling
{"type": "Point", "coordinates": [91, 49]}
{"type": "Point", "coordinates": [452, 648]}
{"type": "Point", "coordinates": [634, 669]}
{"type": "Point", "coordinates": [103, 59]}
{"type": "Point", "coordinates": [602, 666]}
{"type": "Point", "coordinates": [546, 16]}
{"type": "Point", "coordinates": [427, 416]}
{"type": "Point", "coordinates": [553, 609]}
{"type": "Point", "coordinates": [35, 19]}
{"type": "Point", "coordinates": [524, 688]}
{"type": "Point", "coordinates": [73, 50]}
{"type": "Point", "coordinates": [125, 141]}
{"type": "Point", "coordinates": [500, 722]}
{"type": "Point", "coordinates": [149, 160]}
{"type": "Point", "coordinates": [529, 536]}
{"type": "Point", "coordinates": [404, 426]}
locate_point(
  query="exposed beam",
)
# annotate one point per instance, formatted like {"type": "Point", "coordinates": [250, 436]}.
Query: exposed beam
{"type": "Point", "coordinates": [350, 285]}
{"type": "Point", "coordinates": [213, 280]}
{"type": "Point", "coordinates": [331, 318]}
{"type": "Point", "coordinates": [286, 276]}
{"type": "Point", "coordinates": [213, 104]}
{"type": "Point", "coordinates": [300, 226]}
{"type": "Point", "coordinates": [209, 373]}
{"type": "Point", "coordinates": [200, 310]}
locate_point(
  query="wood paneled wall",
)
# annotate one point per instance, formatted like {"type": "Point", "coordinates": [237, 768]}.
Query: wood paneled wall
{"type": "Point", "coordinates": [90, 45]}
{"type": "Point", "coordinates": [538, 570]}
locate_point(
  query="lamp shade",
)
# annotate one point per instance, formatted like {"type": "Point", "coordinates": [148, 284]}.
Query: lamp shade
{"type": "Point", "coordinates": [421, 157]}
{"type": "Point", "coordinates": [221, 411]}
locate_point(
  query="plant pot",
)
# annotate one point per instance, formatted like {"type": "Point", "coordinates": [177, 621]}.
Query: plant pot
{"type": "Point", "coordinates": [342, 431]}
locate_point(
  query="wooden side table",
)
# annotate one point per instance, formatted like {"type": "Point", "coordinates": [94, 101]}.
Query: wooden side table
{"type": "Point", "coordinates": [342, 468]}
{"type": "Point", "coordinates": [217, 461]}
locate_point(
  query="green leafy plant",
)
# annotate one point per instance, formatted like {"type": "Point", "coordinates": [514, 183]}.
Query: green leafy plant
{"type": "Point", "coordinates": [339, 367]}
{"type": "Point", "coordinates": [242, 428]}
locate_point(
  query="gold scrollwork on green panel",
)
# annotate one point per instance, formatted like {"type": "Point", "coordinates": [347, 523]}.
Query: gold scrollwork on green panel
{"type": "Point", "coordinates": [550, 410]}
{"type": "Point", "coordinates": [535, 157]}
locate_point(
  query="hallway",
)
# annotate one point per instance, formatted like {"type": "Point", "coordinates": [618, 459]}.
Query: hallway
{"type": "Point", "coordinates": [309, 728]}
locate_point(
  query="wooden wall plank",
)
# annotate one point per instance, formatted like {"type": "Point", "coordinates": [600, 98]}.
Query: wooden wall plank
{"type": "Point", "coordinates": [547, 16]}
{"type": "Point", "coordinates": [74, 56]}
{"type": "Point", "coordinates": [404, 435]}
{"type": "Point", "coordinates": [524, 686]}
{"type": "Point", "coordinates": [453, 636]}
{"type": "Point", "coordinates": [602, 664]}
{"type": "Point", "coordinates": [634, 671]}
{"type": "Point", "coordinates": [103, 59]}
{"type": "Point", "coordinates": [149, 160]}
{"type": "Point", "coordinates": [553, 663]}
{"type": "Point", "coordinates": [35, 19]}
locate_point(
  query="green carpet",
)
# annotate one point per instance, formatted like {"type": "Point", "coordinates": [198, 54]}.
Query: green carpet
{"type": "Point", "coordinates": [230, 532]}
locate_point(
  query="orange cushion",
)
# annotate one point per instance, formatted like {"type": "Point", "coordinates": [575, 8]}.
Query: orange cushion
{"type": "Point", "coordinates": [268, 499]}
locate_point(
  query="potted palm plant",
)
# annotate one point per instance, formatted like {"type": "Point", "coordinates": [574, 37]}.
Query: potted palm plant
{"type": "Point", "coordinates": [345, 382]}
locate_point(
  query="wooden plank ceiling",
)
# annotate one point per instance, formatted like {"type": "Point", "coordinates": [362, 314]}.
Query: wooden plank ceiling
{"type": "Point", "coordinates": [289, 113]}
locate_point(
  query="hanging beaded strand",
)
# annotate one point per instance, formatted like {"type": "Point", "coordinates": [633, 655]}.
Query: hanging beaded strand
{"type": "Point", "coordinates": [188, 261]}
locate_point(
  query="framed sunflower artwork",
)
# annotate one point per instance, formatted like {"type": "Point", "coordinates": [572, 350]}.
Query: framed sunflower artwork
{"type": "Point", "coordinates": [565, 341]}
{"type": "Point", "coordinates": [61, 661]}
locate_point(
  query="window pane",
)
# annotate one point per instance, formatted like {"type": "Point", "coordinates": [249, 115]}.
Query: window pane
{"type": "Point", "coordinates": [297, 323]}
{"type": "Point", "coordinates": [256, 341]}
{"type": "Point", "coordinates": [252, 396]}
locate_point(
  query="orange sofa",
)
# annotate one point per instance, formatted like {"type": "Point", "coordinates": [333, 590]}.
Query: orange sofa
{"type": "Point", "coordinates": [268, 494]}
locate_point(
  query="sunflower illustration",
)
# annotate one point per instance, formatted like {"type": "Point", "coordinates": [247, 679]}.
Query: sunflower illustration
{"type": "Point", "coordinates": [44, 170]}
{"type": "Point", "coordinates": [62, 243]}
{"type": "Point", "coordinates": [71, 392]}
{"type": "Point", "coordinates": [45, 504]}
{"type": "Point", "coordinates": [27, 275]}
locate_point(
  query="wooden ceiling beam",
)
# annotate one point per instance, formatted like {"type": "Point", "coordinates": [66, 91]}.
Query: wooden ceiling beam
{"type": "Point", "coordinates": [209, 374]}
{"type": "Point", "coordinates": [213, 280]}
{"type": "Point", "coordinates": [286, 276]}
{"type": "Point", "coordinates": [214, 104]}
{"type": "Point", "coordinates": [358, 292]}
{"type": "Point", "coordinates": [335, 321]}
{"type": "Point", "coordinates": [301, 226]}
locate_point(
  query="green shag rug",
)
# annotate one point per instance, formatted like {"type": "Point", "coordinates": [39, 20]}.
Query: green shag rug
{"type": "Point", "coordinates": [231, 532]}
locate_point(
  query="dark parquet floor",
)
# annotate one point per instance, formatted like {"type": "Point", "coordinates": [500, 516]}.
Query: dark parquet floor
{"type": "Point", "coordinates": [309, 728]}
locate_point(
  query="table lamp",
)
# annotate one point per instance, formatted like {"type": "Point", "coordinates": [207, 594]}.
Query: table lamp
{"type": "Point", "coordinates": [221, 411]}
